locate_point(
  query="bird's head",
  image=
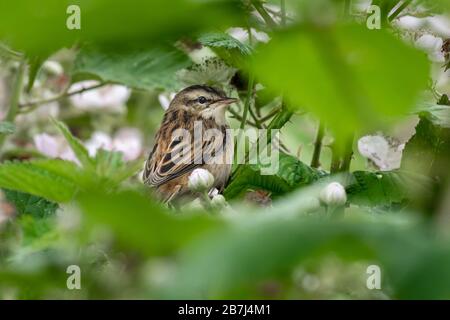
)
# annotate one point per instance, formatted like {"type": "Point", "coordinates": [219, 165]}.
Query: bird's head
{"type": "Point", "coordinates": [206, 101]}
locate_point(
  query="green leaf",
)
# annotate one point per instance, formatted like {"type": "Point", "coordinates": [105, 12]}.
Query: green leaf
{"type": "Point", "coordinates": [36, 180]}
{"type": "Point", "coordinates": [385, 188]}
{"type": "Point", "coordinates": [35, 65]}
{"type": "Point", "coordinates": [29, 204]}
{"type": "Point", "coordinates": [438, 114]}
{"type": "Point", "coordinates": [111, 167]}
{"type": "Point", "coordinates": [142, 68]}
{"type": "Point", "coordinates": [108, 22]}
{"type": "Point", "coordinates": [427, 151]}
{"type": "Point", "coordinates": [77, 146]}
{"type": "Point", "coordinates": [227, 47]}
{"type": "Point", "coordinates": [272, 247]}
{"type": "Point", "coordinates": [291, 174]}
{"type": "Point", "coordinates": [141, 224]}
{"type": "Point", "coordinates": [7, 127]}
{"type": "Point", "coordinates": [348, 75]}
{"type": "Point", "coordinates": [224, 40]}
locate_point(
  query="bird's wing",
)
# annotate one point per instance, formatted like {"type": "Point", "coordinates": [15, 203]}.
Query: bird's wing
{"type": "Point", "coordinates": [174, 155]}
{"type": "Point", "coordinates": [171, 157]}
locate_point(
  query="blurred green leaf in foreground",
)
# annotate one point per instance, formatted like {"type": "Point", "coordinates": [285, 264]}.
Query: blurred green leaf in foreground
{"type": "Point", "coordinates": [349, 76]}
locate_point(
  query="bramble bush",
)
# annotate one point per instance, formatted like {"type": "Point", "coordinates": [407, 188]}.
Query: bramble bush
{"type": "Point", "coordinates": [358, 89]}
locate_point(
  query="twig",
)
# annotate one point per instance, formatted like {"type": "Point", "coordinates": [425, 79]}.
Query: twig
{"type": "Point", "coordinates": [270, 114]}
{"type": "Point", "coordinates": [64, 94]}
{"type": "Point", "coordinates": [255, 118]}
{"type": "Point", "coordinates": [238, 117]}
{"type": "Point", "coordinates": [399, 10]}
{"type": "Point", "coordinates": [5, 50]}
{"type": "Point", "coordinates": [279, 14]}
{"type": "Point", "coordinates": [267, 18]}
{"type": "Point", "coordinates": [247, 101]}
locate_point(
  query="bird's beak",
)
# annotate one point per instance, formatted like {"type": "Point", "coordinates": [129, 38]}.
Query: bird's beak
{"type": "Point", "coordinates": [226, 101]}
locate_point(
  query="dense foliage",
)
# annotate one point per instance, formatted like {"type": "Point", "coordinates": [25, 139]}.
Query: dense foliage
{"type": "Point", "coordinates": [365, 107]}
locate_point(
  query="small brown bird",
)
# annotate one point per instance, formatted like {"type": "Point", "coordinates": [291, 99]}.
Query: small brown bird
{"type": "Point", "coordinates": [193, 134]}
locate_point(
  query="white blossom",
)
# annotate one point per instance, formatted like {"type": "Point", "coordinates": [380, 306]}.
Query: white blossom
{"type": "Point", "coordinates": [386, 155]}
{"type": "Point", "coordinates": [53, 67]}
{"type": "Point", "coordinates": [200, 180]}
{"type": "Point", "coordinates": [129, 142]}
{"type": "Point", "coordinates": [165, 99]}
{"type": "Point", "coordinates": [411, 23]}
{"type": "Point", "coordinates": [42, 112]}
{"type": "Point", "coordinates": [241, 34]}
{"type": "Point", "coordinates": [199, 55]}
{"type": "Point", "coordinates": [432, 46]}
{"type": "Point", "coordinates": [210, 70]}
{"type": "Point", "coordinates": [54, 147]}
{"type": "Point", "coordinates": [126, 140]}
{"type": "Point", "coordinates": [333, 194]}
{"type": "Point", "coordinates": [439, 25]}
{"type": "Point", "coordinates": [111, 97]}
{"type": "Point", "coordinates": [99, 140]}
{"type": "Point", "coordinates": [213, 192]}
{"type": "Point", "coordinates": [218, 201]}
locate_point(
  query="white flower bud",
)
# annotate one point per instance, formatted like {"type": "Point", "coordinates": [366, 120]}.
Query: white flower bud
{"type": "Point", "coordinates": [218, 201]}
{"type": "Point", "coordinates": [200, 180]}
{"type": "Point", "coordinates": [333, 194]}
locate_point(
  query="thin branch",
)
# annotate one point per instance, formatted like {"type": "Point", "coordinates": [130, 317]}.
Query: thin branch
{"type": "Point", "coordinates": [247, 101]}
{"type": "Point", "coordinates": [64, 94]}
{"type": "Point", "coordinates": [10, 53]}
{"type": "Point", "coordinates": [271, 114]}
{"type": "Point", "coordinates": [255, 118]}
{"type": "Point", "coordinates": [399, 10]}
{"type": "Point", "coordinates": [279, 14]}
{"type": "Point", "coordinates": [266, 16]}
{"type": "Point", "coordinates": [238, 117]}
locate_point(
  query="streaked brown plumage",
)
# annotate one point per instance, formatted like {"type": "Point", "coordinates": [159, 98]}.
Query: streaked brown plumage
{"type": "Point", "coordinates": [193, 106]}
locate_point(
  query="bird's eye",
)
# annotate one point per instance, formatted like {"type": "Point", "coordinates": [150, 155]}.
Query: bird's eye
{"type": "Point", "coordinates": [202, 99]}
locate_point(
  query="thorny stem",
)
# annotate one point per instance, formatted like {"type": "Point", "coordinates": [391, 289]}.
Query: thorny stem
{"type": "Point", "coordinates": [335, 159]}
{"type": "Point", "coordinates": [247, 102]}
{"type": "Point", "coordinates": [348, 153]}
{"type": "Point", "coordinates": [341, 159]}
{"type": "Point", "coordinates": [315, 162]}
{"type": "Point", "coordinates": [15, 95]}
{"type": "Point", "coordinates": [17, 90]}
